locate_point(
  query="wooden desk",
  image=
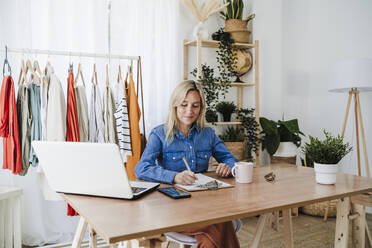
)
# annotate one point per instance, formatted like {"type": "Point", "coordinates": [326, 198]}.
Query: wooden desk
{"type": "Point", "coordinates": [155, 213]}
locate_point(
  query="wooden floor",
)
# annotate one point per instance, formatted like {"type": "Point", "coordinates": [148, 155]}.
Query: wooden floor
{"type": "Point", "coordinates": [308, 232]}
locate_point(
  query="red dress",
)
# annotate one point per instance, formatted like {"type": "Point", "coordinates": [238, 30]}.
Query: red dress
{"type": "Point", "coordinates": [72, 121]}
{"type": "Point", "coordinates": [9, 127]}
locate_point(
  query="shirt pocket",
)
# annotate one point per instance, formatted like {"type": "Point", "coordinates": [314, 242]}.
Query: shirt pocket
{"type": "Point", "coordinates": [202, 159]}
{"type": "Point", "coordinates": [173, 161]}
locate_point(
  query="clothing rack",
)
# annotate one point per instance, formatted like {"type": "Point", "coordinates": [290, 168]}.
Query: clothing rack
{"type": "Point", "coordinates": [71, 54]}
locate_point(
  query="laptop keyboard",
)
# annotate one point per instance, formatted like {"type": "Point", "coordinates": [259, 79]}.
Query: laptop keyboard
{"type": "Point", "coordinates": [137, 190]}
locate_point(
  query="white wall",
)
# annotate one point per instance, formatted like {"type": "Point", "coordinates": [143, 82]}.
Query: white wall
{"type": "Point", "coordinates": [316, 34]}
{"type": "Point", "coordinates": [299, 40]}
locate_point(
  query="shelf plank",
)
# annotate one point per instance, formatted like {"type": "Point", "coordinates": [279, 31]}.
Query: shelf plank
{"type": "Point", "coordinates": [224, 123]}
{"type": "Point", "coordinates": [214, 44]}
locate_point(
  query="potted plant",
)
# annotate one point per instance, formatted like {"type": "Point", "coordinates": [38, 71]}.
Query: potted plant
{"type": "Point", "coordinates": [281, 139]}
{"type": "Point", "coordinates": [226, 109]}
{"type": "Point", "coordinates": [326, 155]}
{"type": "Point", "coordinates": [234, 22]}
{"type": "Point", "coordinates": [233, 137]}
{"type": "Point", "coordinates": [250, 128]}
{"type": "Point", "coordinates": [211, 116]}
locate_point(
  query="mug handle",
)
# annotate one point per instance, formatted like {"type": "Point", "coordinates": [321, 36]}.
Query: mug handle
{"type": "Point", "coordinates": [233, 170]}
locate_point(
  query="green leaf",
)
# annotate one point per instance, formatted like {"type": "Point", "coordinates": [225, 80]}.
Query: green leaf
{"type": "Point", "coordinates": [269, 127]}
{"type": "Point", "coordinates": [272, 143]}
{"type": "Point", "coordinates": [291, 125]}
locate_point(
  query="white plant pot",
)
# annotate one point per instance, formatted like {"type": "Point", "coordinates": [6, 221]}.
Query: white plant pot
{"type": "Point", "coordinates": [286, 149]}
{"type": "Point", "coordinates": [326, 173]}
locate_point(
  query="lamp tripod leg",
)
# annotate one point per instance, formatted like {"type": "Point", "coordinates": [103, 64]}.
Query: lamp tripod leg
{"type": "Point", "coordinates": [357, 130]}
{"type": "Point", "coordinates": [346, 114]}
{"type": "Point", "coordinates": [363, 137]}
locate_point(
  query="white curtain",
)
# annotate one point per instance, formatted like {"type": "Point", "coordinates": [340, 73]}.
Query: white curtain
{"type": "Point", "coordinates": [142, 27]}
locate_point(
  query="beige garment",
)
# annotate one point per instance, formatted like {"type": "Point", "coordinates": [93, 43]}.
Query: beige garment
{"type": "Point", "coordinates": [56, 109]}
{"type": "Point", "coordinates": [108, 116]}
{"type": "Point", "coordinates": [55, 127]}
{"type": "Point", "coordinates": [82, 108]}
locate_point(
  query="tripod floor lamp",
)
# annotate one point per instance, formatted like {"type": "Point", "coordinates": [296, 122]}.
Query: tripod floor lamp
{"type": "Point", "coordinates": [353, 76]}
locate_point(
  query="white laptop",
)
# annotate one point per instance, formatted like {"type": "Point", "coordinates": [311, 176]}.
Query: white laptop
{"type": "Point", "coordinates": [88, 169]}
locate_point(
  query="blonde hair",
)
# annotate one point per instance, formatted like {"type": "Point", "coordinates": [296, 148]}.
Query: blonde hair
{"type": "Point", "coordinates": [177, 97]}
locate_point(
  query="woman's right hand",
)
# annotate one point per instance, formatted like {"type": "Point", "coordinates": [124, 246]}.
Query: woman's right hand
{"type": "Point", "coordinates": [185, 177]}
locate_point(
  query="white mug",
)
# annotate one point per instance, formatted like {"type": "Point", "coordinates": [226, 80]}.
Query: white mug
{"type": "Point", "coordinates": [243, 172]}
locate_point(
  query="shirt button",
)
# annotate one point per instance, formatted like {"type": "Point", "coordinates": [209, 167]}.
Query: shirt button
{"type": "Point", "coordinates": [190, 147]}
{"type": "Point", "coordinates": [192, 161]}
{"type": "Point", "coordinates": [174, 157]}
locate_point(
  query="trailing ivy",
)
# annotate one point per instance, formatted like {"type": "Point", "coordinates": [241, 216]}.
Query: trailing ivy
{"type": "Point", "coordinates": [250, 125]}
{"type": "Point", "coordinates": [226, 56]}
{"type": "Point", "coordinates": [212, 90]}
{"type": "Point", "coordinates": [226, 63]}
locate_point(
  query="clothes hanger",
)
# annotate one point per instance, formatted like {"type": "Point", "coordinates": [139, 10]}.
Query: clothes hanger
{"type": "Point", "coordinates": [37, 69]}
{"type": "Point", "coordinates": [48, 64]}
{"type": "Point", "coordinates": [107, 76]}
{"type": "Point", "coordinates": [31, 69]}
{"type": "Point", "coordinates": [6, 62]}
{"type": "Point", "coordinates": [21, 77]}
{"type": "Point", "coordinates": [79, 72]}
{"type": "Point", "coordinates": [94, 76]}
{"type": "Point", "coordinates": [119, 74]}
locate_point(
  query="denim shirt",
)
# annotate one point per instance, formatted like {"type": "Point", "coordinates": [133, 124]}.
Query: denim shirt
{"type": "Point", "coordinates": [161, 161]}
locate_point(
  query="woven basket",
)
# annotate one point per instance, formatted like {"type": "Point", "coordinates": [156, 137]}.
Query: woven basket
{"type": "Point", "coordinates": [319, 208]}
{"type": "Point", "coordinates": [238, 30]}
{"type": "Point", "coordinates": [236, 148]}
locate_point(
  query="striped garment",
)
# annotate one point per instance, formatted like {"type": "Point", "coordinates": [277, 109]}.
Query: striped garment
{"type": "Point", "coordinates": [122, 122]}
{"type": "Point", "coordinates": [96, 125]}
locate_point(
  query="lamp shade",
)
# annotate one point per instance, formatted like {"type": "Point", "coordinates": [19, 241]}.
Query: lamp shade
{"type": "Point", "coordinates": [351, 74]}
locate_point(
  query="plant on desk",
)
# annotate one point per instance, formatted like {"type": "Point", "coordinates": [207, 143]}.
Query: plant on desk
{"type": "Point", "coordinates": [226, 109]}
{"type": "Point", "coordinates": [281, 139]}
{"type": "Point", "coordinates": [326, 155]}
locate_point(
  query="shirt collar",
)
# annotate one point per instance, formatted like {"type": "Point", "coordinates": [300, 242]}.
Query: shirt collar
{"type": "Point", "coordinates": [194, 128]}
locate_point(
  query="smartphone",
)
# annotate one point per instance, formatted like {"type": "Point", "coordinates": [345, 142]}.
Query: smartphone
{"type": "Point", "coordinates": [174, 192]}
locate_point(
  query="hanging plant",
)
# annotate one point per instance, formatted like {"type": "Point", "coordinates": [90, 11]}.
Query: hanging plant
{"type": "Point", "coordinates": [212, 90]}
{"type": "Point", "coordinates": [250, 125]}
{"type": "Point", "coordinates": [226, 55]}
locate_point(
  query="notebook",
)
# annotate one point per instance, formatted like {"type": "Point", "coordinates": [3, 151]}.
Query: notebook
{"type": "Point", "coordinates": [202, 180]}
{"type": "Point", "coordinates": [94, 169]}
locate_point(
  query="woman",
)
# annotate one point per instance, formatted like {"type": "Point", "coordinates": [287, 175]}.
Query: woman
{"type": "Point", "coordinates": [184, 135]}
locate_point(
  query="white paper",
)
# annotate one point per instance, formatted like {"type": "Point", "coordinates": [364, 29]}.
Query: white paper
{"type": "Point", "coordinates": [202, 179]}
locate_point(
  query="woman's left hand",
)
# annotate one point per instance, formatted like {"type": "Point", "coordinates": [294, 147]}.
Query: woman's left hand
{"type": "Point", "coordinates": [223, 170]}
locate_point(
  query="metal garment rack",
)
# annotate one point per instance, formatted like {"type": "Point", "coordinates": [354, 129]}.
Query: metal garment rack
{"type": "Point", "coordinates": [71, 54]}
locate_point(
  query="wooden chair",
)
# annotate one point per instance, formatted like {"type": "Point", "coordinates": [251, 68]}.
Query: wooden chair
{"type": "Point", "coordinates": [186, 241]}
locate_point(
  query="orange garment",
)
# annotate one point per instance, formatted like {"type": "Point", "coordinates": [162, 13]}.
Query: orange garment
{"type": "Point", "coordinates": [9, 127]}
{"type": "Point", "coordinates": [72, 119]}
{"type": "Point", "coordinates": [135, 136]}
{"type": "Point", "coordinates": [219, 235]}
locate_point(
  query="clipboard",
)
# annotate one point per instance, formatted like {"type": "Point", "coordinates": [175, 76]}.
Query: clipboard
{"type": "Point", "coordinates": [203, 179]}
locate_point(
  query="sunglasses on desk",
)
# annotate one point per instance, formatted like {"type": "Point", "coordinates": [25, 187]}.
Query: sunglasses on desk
{"type": "Point", "coordinates": [270, 177]}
